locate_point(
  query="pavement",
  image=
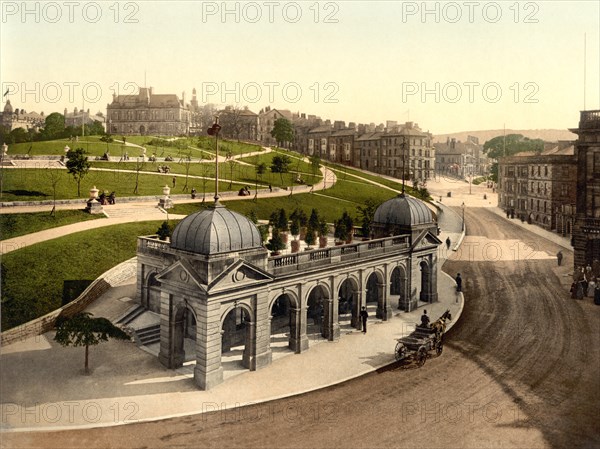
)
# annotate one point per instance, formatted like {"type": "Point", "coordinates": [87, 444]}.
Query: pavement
{"type": "Point", "coordinates": [42, 387]}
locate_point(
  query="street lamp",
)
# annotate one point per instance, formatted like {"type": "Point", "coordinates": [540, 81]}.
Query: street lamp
{"type": "Point", "coordinates": [463, 216]}
{"type": "Point", "coordinates": [2, 157]}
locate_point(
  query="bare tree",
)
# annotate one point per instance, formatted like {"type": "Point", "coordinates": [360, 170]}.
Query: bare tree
{"type": "Point", "coordinates": [54, 177]}
{"type": "Point", "coordinates": [232, 121]}
{"type": "Point", "coordinates": [139, 166]}
{"type": "Point", "coordinates": [187, 163]}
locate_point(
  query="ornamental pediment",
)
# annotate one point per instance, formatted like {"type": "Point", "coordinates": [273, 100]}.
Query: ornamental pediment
{"type": "Point", "coordinates": [239, 275]}
{"type": "Point", "coordinates": [182, 275]}
{"type": "Point", "coordinates": [424, 241]}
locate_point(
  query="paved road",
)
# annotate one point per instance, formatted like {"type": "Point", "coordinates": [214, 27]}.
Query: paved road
{"type": "Point", "coordinates": [520, 369]}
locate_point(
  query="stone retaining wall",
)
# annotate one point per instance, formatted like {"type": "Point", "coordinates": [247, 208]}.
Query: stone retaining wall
{"type": "Point", "coordinates": [44, 324]}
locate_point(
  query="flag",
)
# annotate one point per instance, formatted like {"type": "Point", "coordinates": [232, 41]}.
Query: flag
{"type": "Point", "coordinates": [6, 93]}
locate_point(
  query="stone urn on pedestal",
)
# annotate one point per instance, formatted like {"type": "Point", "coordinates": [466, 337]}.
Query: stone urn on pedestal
{"type": "Point", "coordinates": [165, 202]}
{"type": "Point", "coordinates": [93, 205]}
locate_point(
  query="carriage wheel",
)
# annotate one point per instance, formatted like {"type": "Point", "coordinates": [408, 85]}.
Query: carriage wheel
{"type": "Point", "coordinates": [421, 356]}
{"type": "Point", "coordinates": [400, 351]}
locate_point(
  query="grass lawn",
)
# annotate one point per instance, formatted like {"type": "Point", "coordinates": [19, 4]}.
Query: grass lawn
{"type": "Point", "coordinates": [33, 277]}
{"type": "Point", "coordinates": [35, 184]}
{"type": "Point", "coordinates": [14, 225]}
{"type": "Point", "coordinates": [91, 144]}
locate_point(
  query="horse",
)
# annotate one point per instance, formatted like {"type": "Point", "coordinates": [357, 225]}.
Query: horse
{"type": "Point", "coordinates": [440, 324]}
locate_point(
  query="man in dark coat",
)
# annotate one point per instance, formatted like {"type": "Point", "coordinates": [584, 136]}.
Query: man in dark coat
{"type": "Point", "coordinates": [424, 319]}
{"type": "Point", "coordinates": [458, 283]}
{"type": "Point", "coordinates": [363, 316]}
{"type": "Point", "coordinates": [559, 257]}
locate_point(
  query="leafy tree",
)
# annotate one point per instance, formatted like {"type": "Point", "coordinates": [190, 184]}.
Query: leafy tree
{"type": "Point", "coordinates": [275, 242]}
{"type": "Point", "coordinates": [315, 163]}
{"type": "Point", "coordinates": [281, 164]}
{"type": "Point", "coordinates": [283, 131]}
{"type": "Point", "coordinates": [253, 217]}
{"type": "Point", "coordinates": [78, 165]}
{"type": "Point", "coordinates": [54, 127]}
{"type": "Point", "coordinates": [94, 129]}
{"type": "Point", "coordinates": [341, 231]}
{"type": "Point", "coordinates": [300, 215]}
{"type": "Point", "coordinates": [282, 220]}
{"type": "Point", "coordinates": [83, 330]}
{"type": "Point", "coordinates": [367, 212]}
{"type": "Point", "coordinates": [494, 172]}
{"type": "Point", "coordinates": [165, 230]}
{"type": "Point", "coordinates": [295, 226]}
{"type": "Point", "coordinates": [264, 232]}
{"type": "Point", "coordinates": [314, 220]}
{"type": "Point", "coordinates": [515, 143]}
{"type": "Point", "coordinates": [323, 228]}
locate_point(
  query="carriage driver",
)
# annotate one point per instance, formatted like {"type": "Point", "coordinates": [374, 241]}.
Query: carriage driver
{"type": "Point", "coordinates": [424, 319]}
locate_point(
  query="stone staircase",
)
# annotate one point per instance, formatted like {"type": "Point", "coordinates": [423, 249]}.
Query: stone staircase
{"type": "Point", "coordinates": [148, 335]}
{"type": "Point", "coordinates": [130, 211]}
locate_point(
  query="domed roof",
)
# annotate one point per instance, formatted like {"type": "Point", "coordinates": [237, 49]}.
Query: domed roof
{"type": "Point", "coordinates": [403, 210]}
{"type": "Point", "coordinates": [215, 230]}
{"type": "Point", "coordinates": [8, 107]}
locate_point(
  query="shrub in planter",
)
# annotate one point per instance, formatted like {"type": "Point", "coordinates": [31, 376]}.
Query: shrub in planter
{"type": "Point", "coordinates": [323, 231]}
{"type": "Point", "coordinates": [276, 243]}
{"type": "Point", "coordinates": [310, 237]}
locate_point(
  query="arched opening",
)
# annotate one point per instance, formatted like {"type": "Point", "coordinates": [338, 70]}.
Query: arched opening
{"type": "Point", "coordinates": [184, 337]}
{"type": "Point", "coordinates": [142, 130]}
{"type": "Point", "coordinates": [374, 295]}
{"type": "Point", "coordinates": [425, 293]}
{"type": "Point", "coordinates": [348, 304]}
{"type": "Point", "coordinates": [234, 339]}
{"type": "Point", "coordinates": [283, 324]}
{"type": "Point", "coordinates": [152, 299]}
{"type": "Point", "coordinates": [316, 309]}
{"type": "Point", "coordinates": [399, 288]}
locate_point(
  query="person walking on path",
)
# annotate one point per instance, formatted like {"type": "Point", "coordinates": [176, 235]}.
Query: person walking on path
{"type": "Point", "coordinates": [559, 257]}
{"type": "Point", "coordinates": [174, 181]}
{"type": "Point", "coordinates": [448, 243]}
{"type": "Point", "coordinates": [270, 188]}
{"type": "Point", "coordinates": [458, 283]}
{"type": "Point", "coordinates": [363, 316]}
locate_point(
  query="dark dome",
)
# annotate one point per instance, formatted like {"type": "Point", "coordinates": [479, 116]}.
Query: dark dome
{"type": "Point", "coordinates": [8, 109]}
{"type": "Point", "coordinates": [403, 210]}
{"type": "Point", "coordinates": [215, 230]}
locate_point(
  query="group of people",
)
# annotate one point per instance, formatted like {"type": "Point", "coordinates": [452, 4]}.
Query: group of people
{"type": "Point", "coordinates": [586, 283]}
{"type": "Point", "coordinates": [244, 191]}
{"type": "Point", "coordinates": [107, 199]}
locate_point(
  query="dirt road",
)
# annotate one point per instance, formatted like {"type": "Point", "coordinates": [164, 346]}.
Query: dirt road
{"type": "Point", "coordinates": [520, 369]}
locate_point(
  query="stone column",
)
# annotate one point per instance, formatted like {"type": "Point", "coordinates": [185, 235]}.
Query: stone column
{"type": "Point", "coordinates": [387, 312]}
{"type": "Point", "coordinates": [331, 325]}
{"type": "Point", "coordinates": [298, 338]}
{"type": "Point", "coordinates": [208, 371]}
{"type": "Point", "coordinates": [358, 303]}
{"type": "Point", "coordinates": [171, 352]}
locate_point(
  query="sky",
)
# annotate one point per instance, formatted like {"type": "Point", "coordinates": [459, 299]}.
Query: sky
{"type": "Point", "coordinates": [449, 66]}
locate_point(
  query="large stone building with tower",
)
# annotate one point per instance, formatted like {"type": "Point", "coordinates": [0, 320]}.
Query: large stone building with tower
{"type": "Point", "coordinates": [586, 235]}
{"type": "Point", "coordinates": [214, 286]}
{"type": "Point", "coordinates": [148, 113]}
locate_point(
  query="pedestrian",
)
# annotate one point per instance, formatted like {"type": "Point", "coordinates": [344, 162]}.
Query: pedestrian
{"type": "Point", "coordinates": [573, 290]}
{"type": "Point", "coordinates": [580, 290]}
{"type": "Point", "coordinates": [174, 181]}
{"type": "Point", "coordinates": [559, 257]}
{"type": "Point", "coordinates": [424, 319]}
{"type": "Point", "coordinates": [270, 188]}
{"type": "Point", "coordinates": [458, 283]}
{"type": "Point", "coordinates": [193, 193]}
{"type": "Point", "coordinates": [448, 243]}
{"type": "Point", "coordinates": [363, 316]}
{"type": "Point", "coordinates": [597, 294]}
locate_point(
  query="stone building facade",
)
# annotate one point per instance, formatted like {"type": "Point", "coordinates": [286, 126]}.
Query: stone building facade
{"type": "Point", "coordinates": [148, 114]}
{"type": "Point", "coordinates": [81, 117]}
{"type": "Point", "coordinates": [215, 287]}
{"type": "Point", "coordinates": [540, 189]}
{"type": "Point", "coordinates": [461, 159]}
{"type": "Point", "coordinates": [586, 235]}
{"type": "Point", "coordinates": [19, 118]}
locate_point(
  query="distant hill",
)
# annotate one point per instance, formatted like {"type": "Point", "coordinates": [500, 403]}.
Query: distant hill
{"type": "Point", "coordinates": [547, 135]}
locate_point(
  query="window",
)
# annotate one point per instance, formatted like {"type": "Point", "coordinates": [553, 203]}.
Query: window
{"type": "Point", "coordinates": [545, 170]}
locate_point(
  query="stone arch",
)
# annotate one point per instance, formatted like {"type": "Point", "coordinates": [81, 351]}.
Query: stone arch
{"type": "Point", "coordinates": [374, 293]}
{"type": "Point", "coordinates": [152, 293]}
{"type": "Point", "coordinates": [236, 335]}
{"type": "Point", "coordinates": [142, 130]}
{"type": "Point", "coordinates": [426, 281]}
{"type": "Point", "coordinates": [348, 301]}
{"type": "Point", "coordinates": [399, 287]}
{"type": "Point", "coordinates": [284, 314]}
{"type": "Point", "coordinates": [183, 315]}
{"type": "Point", "coordinates": [318, 311]}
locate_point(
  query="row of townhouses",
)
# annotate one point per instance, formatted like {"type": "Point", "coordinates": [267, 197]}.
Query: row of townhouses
{"type": "Point", "coordinates": [559, 189]}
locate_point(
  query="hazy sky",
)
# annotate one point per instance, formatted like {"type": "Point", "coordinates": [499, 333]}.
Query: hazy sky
{"type": "Point", "coordinates": [450, 66]}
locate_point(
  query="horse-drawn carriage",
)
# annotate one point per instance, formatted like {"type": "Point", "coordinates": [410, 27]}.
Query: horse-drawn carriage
{"type": "Point", "coordinates": [423, 339]}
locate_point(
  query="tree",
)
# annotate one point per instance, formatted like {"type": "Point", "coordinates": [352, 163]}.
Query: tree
{"type": "Point", "coordinates": [494, 172]}
{"type": "Point", "coordinates": [165, 230]}
{"type": "Point", "coordinates": [231, 162]}
{"type": "Point", "coordinates": [282, 220]}
{"type": "Point", "coordinates": [310, 238]}
{"type": "Point", "coordinates": [187, 163]}
{"type": "Point", "coordinates": [139, 166]}
{"type": "Point", "coordinates": [283, 131]}
{"type": "Point", "coordinates": [54, 127]}
{"type": "Point", "coordinates": [275, 242]}
{"type": "Point", "coordinates": [367, 212]}
{"type": "Point", "coordinates": [315, 163]}
{"type": "Point", "coordinates": [295, 226]}
{"type": "Point", "coordinates": [78, 165]}
{"type": "Point", "coordinates": [94, 129]}
{"type": "Point", "coordinates": [83, 330]}
{"type": "Point", "coordinates": [232, 121]}
{"type": "Point", "coordinates": [54, 176]}
{"type": "Point", "coordinates": [281, 164]}
{"type": "Point", "coordinates": [260, 169]}
{"type": "Point", "coordinates": [314, 220]}
{"type": "Point", "coordinates": [514, 143]}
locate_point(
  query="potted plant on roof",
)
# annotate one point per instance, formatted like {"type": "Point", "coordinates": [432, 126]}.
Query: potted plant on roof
{"type": "Point", "coordinates": [323, 231]}
{"type": "Point", "coordinates": [276, 243]}
{"type": "Point", "coordinates": [309, 238]}
{"type": "Point", "coordinates": [300, 215]}
{"type": "Point", "coordinates": [349, 223]}
{"type": "Point", "coordinates": [340, 232]}
{"type": "Point", "coordinates": [282, 225]}
{"type": "Point", "coordinates": [295, 230]}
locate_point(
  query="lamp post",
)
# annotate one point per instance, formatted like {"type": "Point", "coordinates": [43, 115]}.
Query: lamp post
{"type": "Point", "coordinates": [214, 131]}
{"type": "Point", "coordinates": [2, 157]}
{"type": "Point", "coordinates": [463, 215]}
